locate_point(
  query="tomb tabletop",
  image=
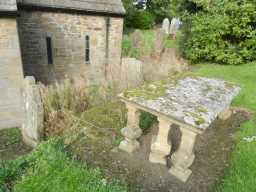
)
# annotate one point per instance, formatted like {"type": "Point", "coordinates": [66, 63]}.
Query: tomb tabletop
{"type": "Point", "coordinates": [195, 101]}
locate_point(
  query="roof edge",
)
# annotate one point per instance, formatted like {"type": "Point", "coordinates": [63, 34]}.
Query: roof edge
{"type": "Point", "coordinates": [37, 7]}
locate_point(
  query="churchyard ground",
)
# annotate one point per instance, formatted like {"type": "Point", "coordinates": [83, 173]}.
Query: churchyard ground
{"type": "Point", "coordinates": [224, 163]}
{"type": "Point", "coordinates": [231, 155]}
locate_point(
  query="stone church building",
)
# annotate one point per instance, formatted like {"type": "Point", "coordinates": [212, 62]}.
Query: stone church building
{"type": "Point", "coordinates": [54, 39]}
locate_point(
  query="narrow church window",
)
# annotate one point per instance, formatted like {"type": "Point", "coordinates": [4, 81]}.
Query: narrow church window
{"type": "Point", "coordinates": [49, 50]}
{"type": "Point", "coordinates": [87, 49]}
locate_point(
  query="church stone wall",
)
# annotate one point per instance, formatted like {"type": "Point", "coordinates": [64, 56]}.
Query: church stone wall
{"type": "Point", "coordinates": [68, 32]}
{"type": "Point", "coordinates": [11, 74]}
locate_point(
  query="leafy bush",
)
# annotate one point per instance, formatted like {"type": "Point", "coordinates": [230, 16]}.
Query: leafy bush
{"type": "Point", "coordinates": [160, 9]}
{"type": "Point", "coordinates": [11, 171]}
{"type": "Point", "coordinates": [220, 31]}
{"type": "Point", "coordinates": [139, 19]}
{"type": "Point", "coordinates": [156, 11]}
{"type": "Point", "coordinates": [147, 120]}
{"type": "Point", "coordinates": [48, 168]}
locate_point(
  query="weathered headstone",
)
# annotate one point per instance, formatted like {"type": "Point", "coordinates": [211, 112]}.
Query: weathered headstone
{"type": "Point", "coordinates": [175, 25]}
{"type": "Point", "coordinates": [136, 38]}
{"type": "Point", "coordinates": [32, 128]}
{"type": "Point", "coordinates": [131, 73]}
{"type": "Point", "coordinates": [166, 25]}
{"type": "Point", "coordinates": [159, 42]}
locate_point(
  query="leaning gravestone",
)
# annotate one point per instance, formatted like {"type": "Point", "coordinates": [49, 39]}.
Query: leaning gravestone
{"type": "Point", "coordinates": [136, 38]}
{"type": "Point", "coordinates": [32, 129]}
{"type": "Point", "coordinates": [166, 25]}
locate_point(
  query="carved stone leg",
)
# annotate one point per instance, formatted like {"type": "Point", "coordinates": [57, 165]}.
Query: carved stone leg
{"type": "Point", "coordinates": [161, 148]}
{"type": "Point", "coordinates": [225, 114]}
{"type": "Point", "coordinates": [184, 157]}
{"type": "Point", "coordinates": [132, 131]}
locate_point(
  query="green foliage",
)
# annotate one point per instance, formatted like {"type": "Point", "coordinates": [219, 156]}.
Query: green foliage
{"type": "Point", "coordinates": [110, 115]}
{"type": "Point", "coordinates": [11, 144]}
{"type": "Point", "coordinates": [48, 168]}
{"type": "Point", "coordinates": [128, 49]}
{"type": "Point", "coordinates": [144, 19]}
{"type": "Point", "coordinates": [160, 9]}
{"type": "Point", "coordinates": [222, 31]}
{"type": "Point", "coordinates": [97, 128]}
{"type": "Point", "coordinates": [147, 44]}
{"type": "Point", "coordinates": [136, 18]}
{"type": "Point", "coordinates": [9, 137]}
{"type": "Point", "coordinates": [11, 171]}
{"type": "Point", "coordinates": [139, 19]}
{"type": "Point", "coordinates": [148, 91]}
{"type": "Point", "coordinates": [147, 120]}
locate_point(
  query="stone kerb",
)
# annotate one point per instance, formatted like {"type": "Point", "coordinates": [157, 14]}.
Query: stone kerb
{"type": "Point", "coordinates": [32, 128]}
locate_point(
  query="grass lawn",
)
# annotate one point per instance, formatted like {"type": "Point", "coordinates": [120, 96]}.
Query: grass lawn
{"type": "Point", "coordinates": [50, 169]}
{"type": "Point", "coordinates": [241, 176]}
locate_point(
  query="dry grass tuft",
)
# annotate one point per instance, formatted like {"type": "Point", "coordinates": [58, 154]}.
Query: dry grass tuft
{"type": "Point", "coordinates": [65, 101]}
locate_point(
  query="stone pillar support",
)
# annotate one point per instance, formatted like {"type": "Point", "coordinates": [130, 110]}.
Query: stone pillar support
{"type": "Point", "coordinates": [160, 148]}
{"type": "Point", "coordinates": [132, 131]}
{"type": "Point", "coordinates": [184, 157]}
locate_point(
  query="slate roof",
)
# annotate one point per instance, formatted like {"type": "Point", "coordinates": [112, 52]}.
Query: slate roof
{"type": "Point", "coordinates": [8, 6]}
{"type": "Point", "coordinates": [96, 6]}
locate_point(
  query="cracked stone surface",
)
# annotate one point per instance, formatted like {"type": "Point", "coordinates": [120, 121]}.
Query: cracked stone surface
{"type": "Point", "coordinates": [196, 101]}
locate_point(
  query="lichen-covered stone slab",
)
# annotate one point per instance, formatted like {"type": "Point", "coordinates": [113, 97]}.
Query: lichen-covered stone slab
{"type": "Point", "coordinates": [195, 101]}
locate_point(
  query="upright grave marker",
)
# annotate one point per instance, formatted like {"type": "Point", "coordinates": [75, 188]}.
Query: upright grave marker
{"type": "Point", "coordinates": [166, 25]}
{"type": "Point", "coordinates": [32, 129]}
{"type": "Point", "coordinates": [174, 27]}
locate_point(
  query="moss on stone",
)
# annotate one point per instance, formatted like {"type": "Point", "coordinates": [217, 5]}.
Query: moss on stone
{"type": "Point", "coordinates": [157, 89]}
{"type": "Point", "coordinates": [109, 115]}
{"type": "Point", "coordinates": [230, 85]}
{"type": "Point", "coordinates": [198, 119]}
{"type": "Point", "coordinates": [201, 109]}
{"type": "Point", "coordinates": [149, 91]}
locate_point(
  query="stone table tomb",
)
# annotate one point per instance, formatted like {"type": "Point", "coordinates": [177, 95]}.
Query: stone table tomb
{"type": "Point", "coordinates": [192, 103]}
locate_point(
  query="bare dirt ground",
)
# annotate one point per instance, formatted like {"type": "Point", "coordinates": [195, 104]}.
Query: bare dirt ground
{"type": "Point", "coordinates": [212, 150]}
{"type": "Point", "coordinates": [11, 144]}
